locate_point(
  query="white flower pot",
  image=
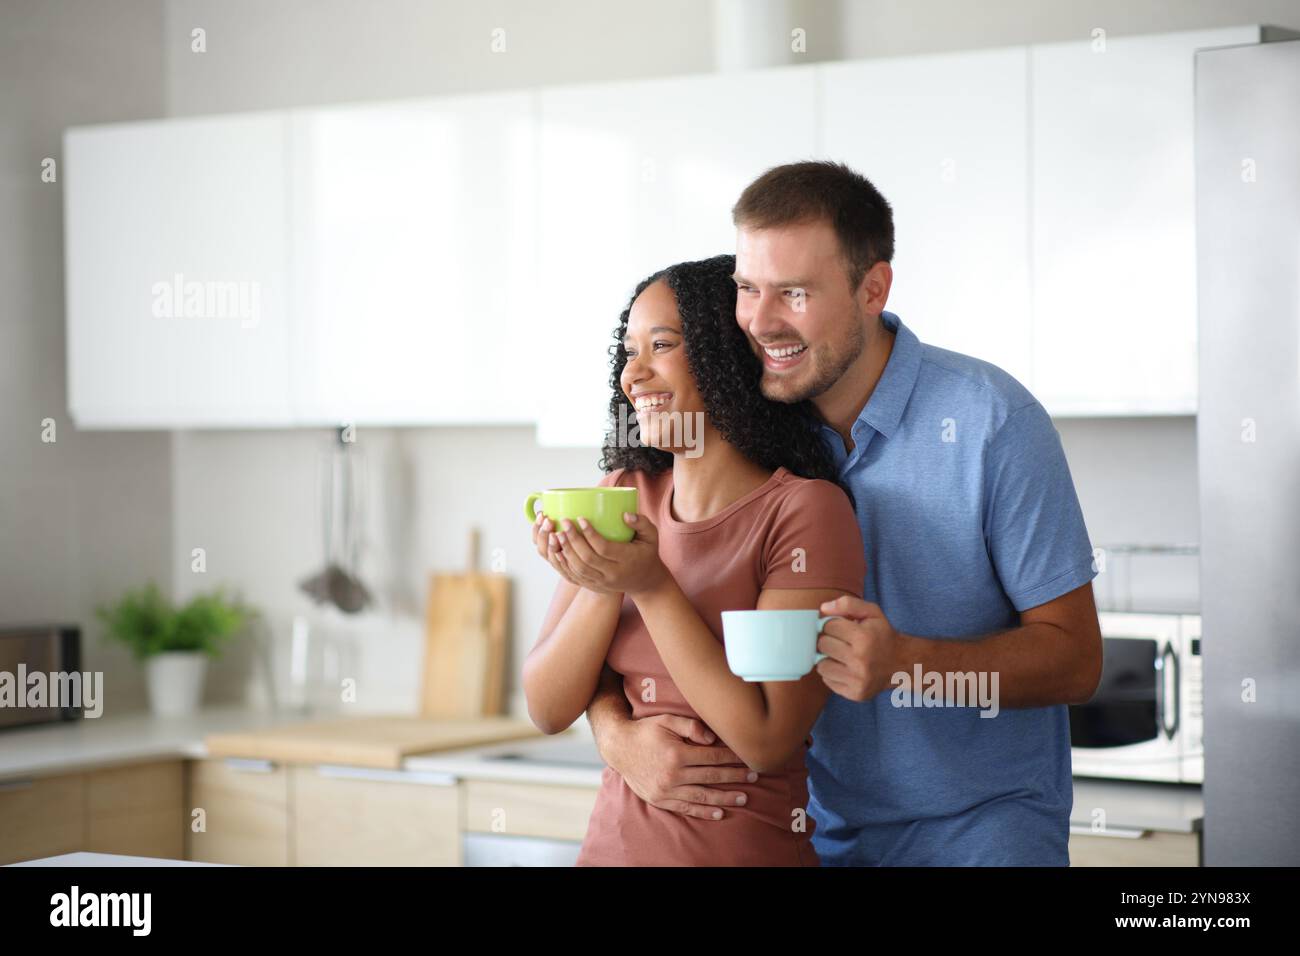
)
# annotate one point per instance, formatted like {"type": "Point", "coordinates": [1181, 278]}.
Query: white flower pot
{"type": "Point", "coordinates": [175, 680]}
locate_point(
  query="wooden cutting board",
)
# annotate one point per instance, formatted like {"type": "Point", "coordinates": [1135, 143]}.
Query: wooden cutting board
{"type": "Point", "coordinates": [380, 741]}
{"type": "Point", "coordinates": [465, 633]}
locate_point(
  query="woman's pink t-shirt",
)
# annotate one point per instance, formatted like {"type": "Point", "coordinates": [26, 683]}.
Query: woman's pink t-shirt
{"type": "Point", "coordinates": [791, 532]}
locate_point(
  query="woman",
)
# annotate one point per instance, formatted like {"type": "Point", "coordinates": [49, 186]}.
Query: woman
{"type": "Point", "coordinates": [743, 512]}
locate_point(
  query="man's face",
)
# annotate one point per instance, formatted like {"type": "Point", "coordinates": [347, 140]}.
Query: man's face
{"type": "Point", "coordinates": [794, 302]}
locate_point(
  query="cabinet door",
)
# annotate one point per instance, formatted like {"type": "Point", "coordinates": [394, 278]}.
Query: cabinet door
{"type": "Point", "coordinates": [351, 816]}
{"type": "Point", "coordinates": [528, 810]}
{"type": "Point", "coordinates": [245, 807]}
{"type": "Point", "coordinates": [176, 273]}
{"type": "Point", "coordinates": [1114, 222]}
{"type": "Point", "coordinates": [415, 246]}
{"type": "Point", "coordinates": [635, 177]}
{"type": "Point", "coordinates": [137, 811]}
{"type": "Point", "coordinates": [41, 817]}
{"type": "Point", "coordinates": [944, 138]}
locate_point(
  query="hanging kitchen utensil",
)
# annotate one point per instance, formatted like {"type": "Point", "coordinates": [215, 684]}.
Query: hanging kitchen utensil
{"type": "Point", "coordinates": [318, 585]}
{"type": "Point", "coordinates": [346, 589]}
{"type": "Point", "coordinates": [338, 583]}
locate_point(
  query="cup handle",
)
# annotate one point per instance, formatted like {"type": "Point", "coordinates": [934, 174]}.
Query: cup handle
{"type": "Point", "coordinates": [529, 510]}
{"type": "Point", "coordinates": [818, 656]}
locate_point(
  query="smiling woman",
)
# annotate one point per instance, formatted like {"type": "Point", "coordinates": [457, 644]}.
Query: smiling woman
{"type": "Point", "coordinates": [755, 520]}
{"type": "Point", "coordinates": [693, 305]}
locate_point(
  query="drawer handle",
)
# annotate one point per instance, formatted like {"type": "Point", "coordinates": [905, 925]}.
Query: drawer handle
{"type": "Point", "coordinates": [249, 765]}
{"type": "Point", "coordinates": [1117, 833]}
{"type": "Point", "coordinates": [424, 777]}
{"type": "Point", "coordinates": [8, 785]}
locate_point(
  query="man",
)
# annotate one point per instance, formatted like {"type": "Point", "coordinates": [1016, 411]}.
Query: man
{"type": "Point", "coordinates": [978, 565]}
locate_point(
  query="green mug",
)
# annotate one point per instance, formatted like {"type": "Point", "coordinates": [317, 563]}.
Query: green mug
{"type": "Point", "coordinates": [603, 507]}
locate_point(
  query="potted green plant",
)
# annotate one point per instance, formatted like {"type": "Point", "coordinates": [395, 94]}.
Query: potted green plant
{"type": "Point", "coordinates": [174, 643]}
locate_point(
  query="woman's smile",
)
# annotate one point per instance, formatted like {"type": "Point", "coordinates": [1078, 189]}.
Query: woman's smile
{"type": "Point", "coordinates": [643, 401]}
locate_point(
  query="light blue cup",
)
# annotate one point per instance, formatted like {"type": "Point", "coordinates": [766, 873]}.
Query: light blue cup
{"type": "Point", "coordinates": [772, 645]}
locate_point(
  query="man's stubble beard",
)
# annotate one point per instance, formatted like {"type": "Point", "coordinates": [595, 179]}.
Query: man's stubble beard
{"type": "Point", "coordinates": [829, 365]}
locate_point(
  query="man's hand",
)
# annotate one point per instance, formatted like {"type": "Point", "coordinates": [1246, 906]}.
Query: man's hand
{"type": "Point", "coordinates": [668, 762]}
{"type": "Point", "coordinates": [862, 652]}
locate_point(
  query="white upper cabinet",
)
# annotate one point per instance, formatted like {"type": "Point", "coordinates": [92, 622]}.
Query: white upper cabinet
{"type": "Point", "coordinates": [1114, 219]}
{"type": "Point", "coordinates": [415, 244]}
{"type": "Point", "coordinates": [465, 259]}
{"type": "Point", "coordinates": [635, 177]}
{"type": "Point", "coordinates": [176, 273]}
{"type": "Point", "coordinates": [370, 264]}
{"type": "Point", "coordinates": [944, 138]}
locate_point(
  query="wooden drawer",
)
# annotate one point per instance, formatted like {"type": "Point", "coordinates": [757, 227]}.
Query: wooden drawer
{"type": "Point", "coordinates": [41, 817]}
{"type": "Point", "coordinates": [354, 816]}
{"type": "Point", "coordinates": [246, 812]}
{"type": "Point", "coordinates": [137, 810]}
{"type": "Point", "coordinates": [1151, 848]}
{"type": "Point", "coordinates": [528, 809]}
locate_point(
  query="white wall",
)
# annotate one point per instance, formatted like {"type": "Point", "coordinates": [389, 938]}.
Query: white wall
{"type": "Point", "coordinates": [895, 27]}
{"type": "Point", "coordinates": [295, 52]}
{"type": "Point", "coordinates": [251, 500]}
{"type": "Point", "coordinates": [1136, 480]}
{"type": "Point", "coordinates": [89, 514]}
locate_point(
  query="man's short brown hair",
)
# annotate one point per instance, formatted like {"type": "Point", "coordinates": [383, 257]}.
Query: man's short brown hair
{"type": "Point", "coordinates": [823, 191]}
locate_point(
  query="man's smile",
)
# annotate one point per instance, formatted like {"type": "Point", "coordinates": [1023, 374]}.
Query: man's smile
{"type": "Point", "coordinates": [780, 358]}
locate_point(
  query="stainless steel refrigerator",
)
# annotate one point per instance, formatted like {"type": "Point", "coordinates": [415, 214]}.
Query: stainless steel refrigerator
{"type": "Point", "coordinates": [1248, 446]}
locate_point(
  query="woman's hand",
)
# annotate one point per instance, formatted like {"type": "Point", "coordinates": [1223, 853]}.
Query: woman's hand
{"type": "Point", "coordinates": [603, 565]}
{"type": "Point", "coordinates": [548, 546]}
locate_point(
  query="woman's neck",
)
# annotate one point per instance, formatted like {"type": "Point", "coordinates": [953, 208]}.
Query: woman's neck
{"type": "Point", "coordinates": [708, 483]}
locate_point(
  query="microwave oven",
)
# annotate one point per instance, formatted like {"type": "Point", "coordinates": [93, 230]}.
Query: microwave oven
{"type": "Point", "coordinates": [45, 649]}
{"type": "Point", "coordinates": [1146, 719]}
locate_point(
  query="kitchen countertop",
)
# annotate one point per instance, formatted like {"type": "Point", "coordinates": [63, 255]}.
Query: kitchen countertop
{"type": "Point", "coordinates": [567, 759]}
{"type": "Point", "coordinates": [572, 759]}
{"type": "Point", "coordinates": [1134, 804]}
{"type": "Point", "coordinates": [93, 743]}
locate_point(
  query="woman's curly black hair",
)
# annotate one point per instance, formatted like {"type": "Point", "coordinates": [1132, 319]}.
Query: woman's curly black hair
{"type": "Point", "coordinates": [727, 374]}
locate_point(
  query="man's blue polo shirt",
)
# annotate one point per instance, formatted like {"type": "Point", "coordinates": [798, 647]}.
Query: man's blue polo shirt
{"type": "Point", "coordinates": [969, 516]}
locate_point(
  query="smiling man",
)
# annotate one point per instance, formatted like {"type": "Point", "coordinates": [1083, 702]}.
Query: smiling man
{"type": "Point", "coordinates": [978, 562]}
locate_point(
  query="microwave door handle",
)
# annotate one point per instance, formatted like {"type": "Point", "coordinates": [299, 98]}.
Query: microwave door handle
{"type": "Point", "coordinates": [1169, 658]}
{"type": "Point", "coordinates": [1161, 707]}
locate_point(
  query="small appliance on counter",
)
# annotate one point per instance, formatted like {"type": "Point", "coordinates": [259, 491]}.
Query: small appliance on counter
{"type": "Point", "coordinates": [1146, 719]}
{"type": "Point", "coordinates": [45, 649]}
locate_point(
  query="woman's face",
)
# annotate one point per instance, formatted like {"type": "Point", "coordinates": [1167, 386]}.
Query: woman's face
{"type": "Point", "coordinates": [656, 379]}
